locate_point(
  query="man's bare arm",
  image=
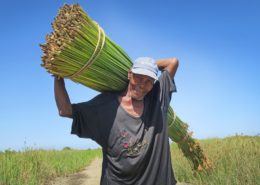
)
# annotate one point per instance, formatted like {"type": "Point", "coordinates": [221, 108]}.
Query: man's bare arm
{"type": "Point", "coordinates": [169, 64]}
{"type": "Point", "coordinates": [62, 98]}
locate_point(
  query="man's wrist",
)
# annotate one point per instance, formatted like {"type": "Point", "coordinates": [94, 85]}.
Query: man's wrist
{"type": "Point", "coordinates": [59, 79]}
{"type": "Point", "coordinates": [159, 66]}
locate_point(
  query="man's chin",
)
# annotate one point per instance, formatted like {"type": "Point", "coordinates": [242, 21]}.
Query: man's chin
{"type": "Point", "coordinates": [138, 98]}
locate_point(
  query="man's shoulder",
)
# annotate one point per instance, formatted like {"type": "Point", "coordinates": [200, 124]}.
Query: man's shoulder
{"type": "Point", "coordinates": [102, 98]}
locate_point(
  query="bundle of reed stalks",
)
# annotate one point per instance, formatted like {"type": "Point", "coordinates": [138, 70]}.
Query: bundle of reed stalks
{"type": "Point", "coordinates": [79, 49]}
{"type": "Point", "coordinates": [190, 147]}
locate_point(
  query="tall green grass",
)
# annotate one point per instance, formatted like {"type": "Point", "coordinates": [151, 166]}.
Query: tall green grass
{"type": "Point", "coordinates": [32, 167]}
{"type": "Point", "coordinates": [236, 161]}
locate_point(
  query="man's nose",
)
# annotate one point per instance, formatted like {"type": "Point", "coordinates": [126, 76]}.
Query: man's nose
{"type": "Point", "coordinates": [141, 85]}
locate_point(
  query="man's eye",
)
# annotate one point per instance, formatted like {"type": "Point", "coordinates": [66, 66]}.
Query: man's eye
{"type": "Point", "coordinates": [148, 82]}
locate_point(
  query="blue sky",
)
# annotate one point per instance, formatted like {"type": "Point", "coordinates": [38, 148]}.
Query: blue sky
{"type": "Point", "coordinates": [217, 43]}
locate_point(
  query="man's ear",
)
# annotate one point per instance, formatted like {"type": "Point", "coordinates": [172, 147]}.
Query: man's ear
{"type": "Point", "coordinates": [129, 74]}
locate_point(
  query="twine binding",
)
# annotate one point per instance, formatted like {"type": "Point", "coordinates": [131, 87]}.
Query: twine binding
{"type": "Point", "coordinates": [174, 118]}
{"type": "Point", "coordinates": [96, 53]}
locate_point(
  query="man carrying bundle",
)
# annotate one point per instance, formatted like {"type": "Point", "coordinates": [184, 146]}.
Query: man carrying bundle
{"type": "Point", "coordinates": [130, 126]}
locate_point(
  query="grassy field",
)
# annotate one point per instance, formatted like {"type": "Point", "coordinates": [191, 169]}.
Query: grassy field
{"type": "Point", "coordinates": [236, 161]}
{"type": "Point", "coordinates": [33, 167]}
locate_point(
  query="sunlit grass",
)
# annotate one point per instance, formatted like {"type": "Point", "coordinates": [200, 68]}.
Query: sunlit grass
{"type": "Point", "coordinates": [236, 161]}
{"type": "Point", "coordinates": [32, 167]}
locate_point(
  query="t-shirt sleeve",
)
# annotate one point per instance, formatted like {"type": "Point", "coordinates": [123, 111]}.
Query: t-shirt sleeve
{"type": "Point", "coordinates": [167, 87]}
{"type": "Point", "coordinates": [85, 122]}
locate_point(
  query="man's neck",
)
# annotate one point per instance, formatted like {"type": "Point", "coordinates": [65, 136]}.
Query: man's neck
{"type": "Point", "coordinates": [130, 105]}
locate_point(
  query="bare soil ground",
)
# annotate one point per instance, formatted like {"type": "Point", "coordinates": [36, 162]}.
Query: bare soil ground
{"type": "Point", "coordinates": [89, 176]}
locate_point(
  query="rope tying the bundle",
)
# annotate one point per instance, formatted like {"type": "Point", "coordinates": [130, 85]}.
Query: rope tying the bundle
{"type": "Point", "coordinates": [174, 118]}
{"type": "Point", "coordinates": [96, 53]}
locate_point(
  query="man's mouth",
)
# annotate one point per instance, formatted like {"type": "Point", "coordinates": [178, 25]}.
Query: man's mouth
{"type": "Point", "coordinates": [137, 90]}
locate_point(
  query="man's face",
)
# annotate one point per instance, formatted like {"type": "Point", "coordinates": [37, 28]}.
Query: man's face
{"type": "Point", "coordinates": [140, 85]}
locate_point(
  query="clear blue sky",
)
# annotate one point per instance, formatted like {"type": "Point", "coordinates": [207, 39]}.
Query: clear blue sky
{"type": "Point", "coordinates": [218, 81]}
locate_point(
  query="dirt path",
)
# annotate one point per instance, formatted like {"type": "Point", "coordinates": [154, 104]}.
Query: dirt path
{"type": "Point", "coordinates": [89, 176]}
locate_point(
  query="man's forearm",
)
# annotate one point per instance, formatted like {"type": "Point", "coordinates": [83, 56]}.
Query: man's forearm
{"type": "Point", "coordinates": [62, 98]}
{"type": "Point", "coordinates": [169, 64]}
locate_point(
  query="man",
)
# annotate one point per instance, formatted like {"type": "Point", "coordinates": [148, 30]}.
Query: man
{"type": "Point", "coordinates": [130, 126]}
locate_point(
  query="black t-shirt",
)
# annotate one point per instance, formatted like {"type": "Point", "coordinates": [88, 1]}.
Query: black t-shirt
{"type": "Point", "coordinates": [136, 150]}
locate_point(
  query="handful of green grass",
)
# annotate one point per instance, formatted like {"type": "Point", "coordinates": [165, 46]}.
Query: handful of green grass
{"type": "Point", "coordinates": [79, 49]}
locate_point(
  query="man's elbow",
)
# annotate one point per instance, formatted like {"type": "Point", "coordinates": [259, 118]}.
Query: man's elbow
{"type": "Point", "coordinates": [173, 66]}
{"type": "Point", "coordinates": [174, 62]}
{"type": "Point", "coordinates": [65, 113]}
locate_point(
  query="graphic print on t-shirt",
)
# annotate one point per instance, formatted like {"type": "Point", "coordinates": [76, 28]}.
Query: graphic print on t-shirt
{"type": "Point", "coordinates": [132, 146]}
